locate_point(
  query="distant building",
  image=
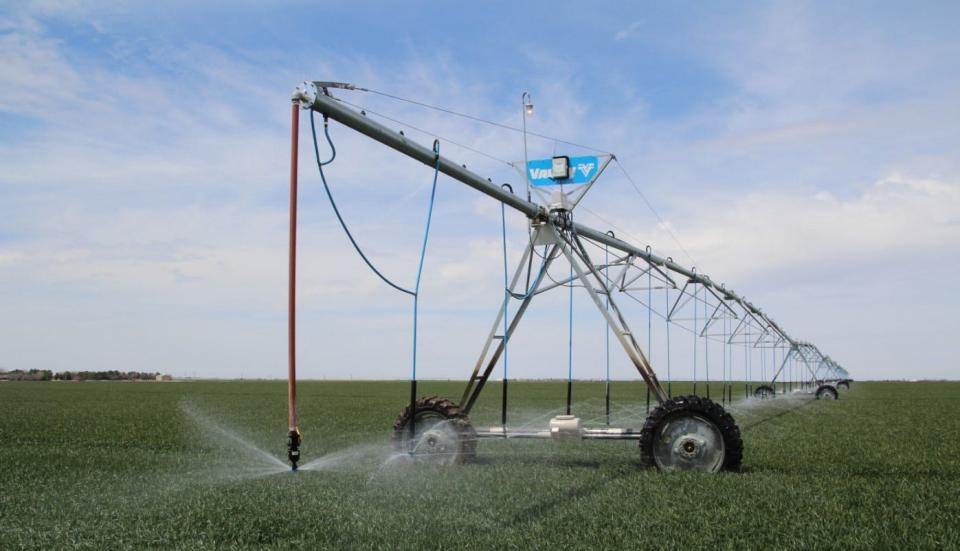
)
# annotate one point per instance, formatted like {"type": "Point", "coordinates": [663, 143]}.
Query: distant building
{"type": "Point", "coordinates": [164, 377]}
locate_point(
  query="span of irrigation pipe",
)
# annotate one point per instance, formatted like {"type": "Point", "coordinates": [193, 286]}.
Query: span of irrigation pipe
{"type": "Point", "coordinates": [314, 96]}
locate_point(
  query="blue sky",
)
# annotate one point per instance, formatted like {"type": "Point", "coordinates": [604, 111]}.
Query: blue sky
{"type": "Point", "coordinates": [807, 154]}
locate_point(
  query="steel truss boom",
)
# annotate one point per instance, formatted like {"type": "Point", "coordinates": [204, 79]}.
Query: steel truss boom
{"type": "Point", "coordinates": [315, 96]}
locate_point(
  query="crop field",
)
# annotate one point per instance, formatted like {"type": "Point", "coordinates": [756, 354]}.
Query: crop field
{"type": "Point", "coordinates": [196, 465]}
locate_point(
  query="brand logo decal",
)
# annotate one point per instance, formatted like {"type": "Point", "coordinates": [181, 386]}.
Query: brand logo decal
{"type": "Point", "coordinates": [584, 171]}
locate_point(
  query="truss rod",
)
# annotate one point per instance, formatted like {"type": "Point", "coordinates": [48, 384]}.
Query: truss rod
{"type": "Point", "coordinates": [313, 95]}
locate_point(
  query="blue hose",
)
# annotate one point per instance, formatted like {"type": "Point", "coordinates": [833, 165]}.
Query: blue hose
{"type": "Point", "coordinates": [423, 254]}
{"type": "Point", "coordinates": [336, 210]}
{"type": "Point", "coordinates": [426, 233]}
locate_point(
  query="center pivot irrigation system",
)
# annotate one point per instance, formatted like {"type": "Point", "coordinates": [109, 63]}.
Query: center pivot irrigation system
{"type": "Point", "coordinates": [682, 432]}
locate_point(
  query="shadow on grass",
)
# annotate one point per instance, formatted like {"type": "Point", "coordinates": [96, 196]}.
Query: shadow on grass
{"type": "Point", "coordinates": [871, 473]}
{"type": "Point", "coordinates": [553, 459]}
{"type": "Point", "coordinates": [564, 499]}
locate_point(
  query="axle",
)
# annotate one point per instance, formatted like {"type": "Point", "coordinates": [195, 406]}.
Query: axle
{"type": "Point", "coordinates": [562, 427]}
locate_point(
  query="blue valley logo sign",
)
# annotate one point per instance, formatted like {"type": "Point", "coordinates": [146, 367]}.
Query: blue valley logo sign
{"type": "Point", "coordinates": [582, 171]}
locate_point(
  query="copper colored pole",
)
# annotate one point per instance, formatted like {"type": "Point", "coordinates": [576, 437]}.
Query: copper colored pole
{"type": "Point", "coordinates": [292, 283]}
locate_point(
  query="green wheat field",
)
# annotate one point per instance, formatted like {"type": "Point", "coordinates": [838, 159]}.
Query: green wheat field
{"type": "Point", "coordinates": [194, 465]}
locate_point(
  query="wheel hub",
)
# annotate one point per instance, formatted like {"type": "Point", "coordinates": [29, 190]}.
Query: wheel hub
{"type": "Point", "coordinates": [689, 447]}
{"type": "Point", "coordinates": [689, 442]}
{"type": "Point", "coordinates": [436, 443]}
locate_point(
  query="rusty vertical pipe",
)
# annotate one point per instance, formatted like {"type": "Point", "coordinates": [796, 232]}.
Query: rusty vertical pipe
{"type": "Point", "coordinates": [292, 281]}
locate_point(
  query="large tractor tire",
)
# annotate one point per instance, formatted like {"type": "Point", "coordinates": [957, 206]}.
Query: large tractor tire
{"type": "Point", "coordinates": [827, 392]}
{"type": "Point", "coordinates": [764, 392]}
{"type": "Point", "coordinates": [443, 435]}
{"type": "Point", "coordinates": [689, 433]}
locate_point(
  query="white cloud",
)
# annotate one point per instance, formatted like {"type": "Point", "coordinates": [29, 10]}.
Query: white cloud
{"type": "Point", "coordinates": [628, 31]}
{"type": "Point", "coordinates": [34, 76]}
{"type": "Point", "coordinates": [9, 258]}
{"type": "Point", "coordinates": [774, 231]}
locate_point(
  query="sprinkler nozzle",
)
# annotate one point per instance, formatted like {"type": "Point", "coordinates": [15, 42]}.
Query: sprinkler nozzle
{"type": "Point", "coordinates": [294, 437]}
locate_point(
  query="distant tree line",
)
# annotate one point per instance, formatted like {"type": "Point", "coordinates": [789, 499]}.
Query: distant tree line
{"type": "Point", "coordinates": [47, 375]}
{"type": "Point", "coordinates": [21, 375]}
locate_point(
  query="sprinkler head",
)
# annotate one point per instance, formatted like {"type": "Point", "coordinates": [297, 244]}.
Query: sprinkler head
{"type": "Point", "coordinates": [294, 437]}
